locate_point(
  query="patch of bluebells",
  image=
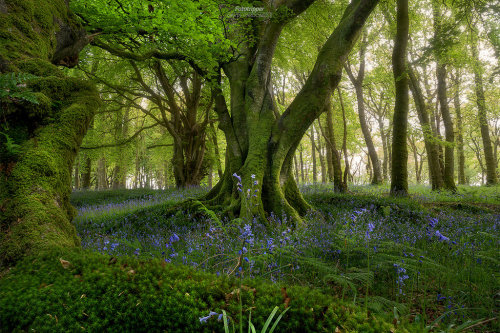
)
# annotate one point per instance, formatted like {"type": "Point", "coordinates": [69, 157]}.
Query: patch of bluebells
{"type": "Point", "coordinates": [276, 253]}
{"type": "Point", "coordinates": [401, 276]}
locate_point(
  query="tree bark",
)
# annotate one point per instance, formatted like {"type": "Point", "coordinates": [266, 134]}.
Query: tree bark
{"type": "Point", "coordinates": [399, 170]}
{"type": "Point", "coordinates": [35, 179]}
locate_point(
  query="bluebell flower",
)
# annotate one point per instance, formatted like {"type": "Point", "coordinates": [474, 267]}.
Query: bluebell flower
{"type": "Point", "coordinates": [441, 237]}
{"type": "Point", "coordinates": [252, 176]}
{"type": "Point", "coordinates": [174, 238]}
{"type": "Point", "coordinates": [237, 177]}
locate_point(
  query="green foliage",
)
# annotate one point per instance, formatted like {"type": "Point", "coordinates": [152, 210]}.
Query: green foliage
{"type": "Point", "coordinates": [13, 88]}
{"type": "Point", "coordinates": [70, 291]}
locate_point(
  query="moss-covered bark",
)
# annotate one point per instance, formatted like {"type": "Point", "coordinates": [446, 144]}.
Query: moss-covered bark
{"type": "Point", "coordinates": [35, 178]}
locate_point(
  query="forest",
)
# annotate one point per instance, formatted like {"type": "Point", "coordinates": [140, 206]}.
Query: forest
{"type": "Point", "coordinates": [260, 166]}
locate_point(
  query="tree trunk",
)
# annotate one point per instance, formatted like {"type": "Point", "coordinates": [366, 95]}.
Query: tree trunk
{"type": "Point", "coordinates": [358, 86]}
{"type": "Point", "coordinates": [449, 160]}
{"type": "Point", "coordinates": [302, 176]}
{"type": "Point", "coordinates": [321, 156]}
{"type": "Point", "coordinates": [399, 170]}
{"type": "Point", "coordinates": [338, 185]}
{"type": "Point", "coordinates": [296, 163]}
{"type": "Point", "coordinates": [260, 143]}
{"type": "Point", "coordinates": [415, 158]}
{"type": "Point", "coordinates": [347, 171]}
{"type": "Point", "coordinates": [87, 174]}
{"type": "Point", "coordinates": [102, 182]}
{"type": "Point", "coordinates": [216, 150]}
{"type": "Point", "coordinates": [460, 138]}
{"type": "Point", "coordinates": [383, 137]}
{"type": "Point", "coordinates": [77, 173]}
{"type": "Point", "coordinates": [435, 174]}
{"type": "Point", "coordinates": [442, 97]}
{"type": "Point", "coordinates": [491, 176]}
{"type": "Point", "coordinates": [35, 177]}
{"type": "Point", "coordinates": [313, 154]}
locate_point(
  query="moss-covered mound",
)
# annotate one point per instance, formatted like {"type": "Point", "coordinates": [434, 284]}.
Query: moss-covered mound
{"type": "Point", "coordinates": [79, 290]}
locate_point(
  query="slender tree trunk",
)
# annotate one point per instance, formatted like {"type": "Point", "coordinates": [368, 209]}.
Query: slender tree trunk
{"type": "Point", "coordinates": [77, 173]}
{"type": "Point", "coordinates": [435, 174]}
{"type": "Point", "coordinates": [216, 150]}
{"type": "Point", "coordinates": [383, 137]}
{"type": "Point", "coordinates": [334, 153]}
{"type": "Point", "coordinates": [460, 138]}
{"type": "Point", "coordinates": [347, 171]}
{"type": "Point", "coordinates": [313, 154]}
{"type": "Point", "coordinates": [296, 163]}
{"type": "Point", "coordinates": [87, 173]}
{"type": "Point", "coordinates": [415, 158]}
{"type": "Point", "coordinates": [399, 172]}
{"type": "Point", "coordinates": [491, 176]}
{"type": "Point", "coordinates": [358, 86]}
{"type": "Point", "coordinates": [321, 156]}
{"type": "Point", "coordinates": [102, 182]}
{"type": "Point", "coordinates": [449, 160]}
{"type": "Point", "coordinates": [302, 176]}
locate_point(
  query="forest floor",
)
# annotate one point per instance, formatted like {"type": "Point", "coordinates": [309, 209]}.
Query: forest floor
{"type": "Point", "coordinates": [425, 263]}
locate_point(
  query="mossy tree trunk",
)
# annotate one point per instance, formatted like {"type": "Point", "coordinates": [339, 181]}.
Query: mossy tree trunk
{"type": "Point", "coordinates": [399, 170]}
{"type": "Point", "coordinates": [260, 142]}
{"type": "Point", "coordinates": [35, 178]}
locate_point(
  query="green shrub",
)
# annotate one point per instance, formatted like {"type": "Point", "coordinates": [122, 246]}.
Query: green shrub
{"type": "Point", "coordinates": [79, 290]}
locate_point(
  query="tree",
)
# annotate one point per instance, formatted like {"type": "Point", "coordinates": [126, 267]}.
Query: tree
{"type": "Point", "coordinates": [491, 176]}
{"type": "Point", "coordinates": [399, 170]}
{"type": "Point", "coordinates": [261, 144]}
{"type": "Point", "coordinates": [442, 95]}
{"type": "Point", "coordinates": [43, 125]}
{"type": "Point", "coordinates": [357, 82]}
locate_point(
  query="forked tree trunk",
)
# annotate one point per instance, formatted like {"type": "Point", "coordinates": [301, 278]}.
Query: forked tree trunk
{"type": "Point", "coordinates": [35, 179]}
{"type": "Point", "coordinates": [376, 176]}
{"type": "Point", "coordinates": [399, 170]}
{"type": "Point", "coordinates": [260, 144]}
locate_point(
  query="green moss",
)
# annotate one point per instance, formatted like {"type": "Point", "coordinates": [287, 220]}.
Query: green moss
{"type": "Point", "coordinates": [95, 293]}
{"type": "Point", "coordinates": [29, 27]}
